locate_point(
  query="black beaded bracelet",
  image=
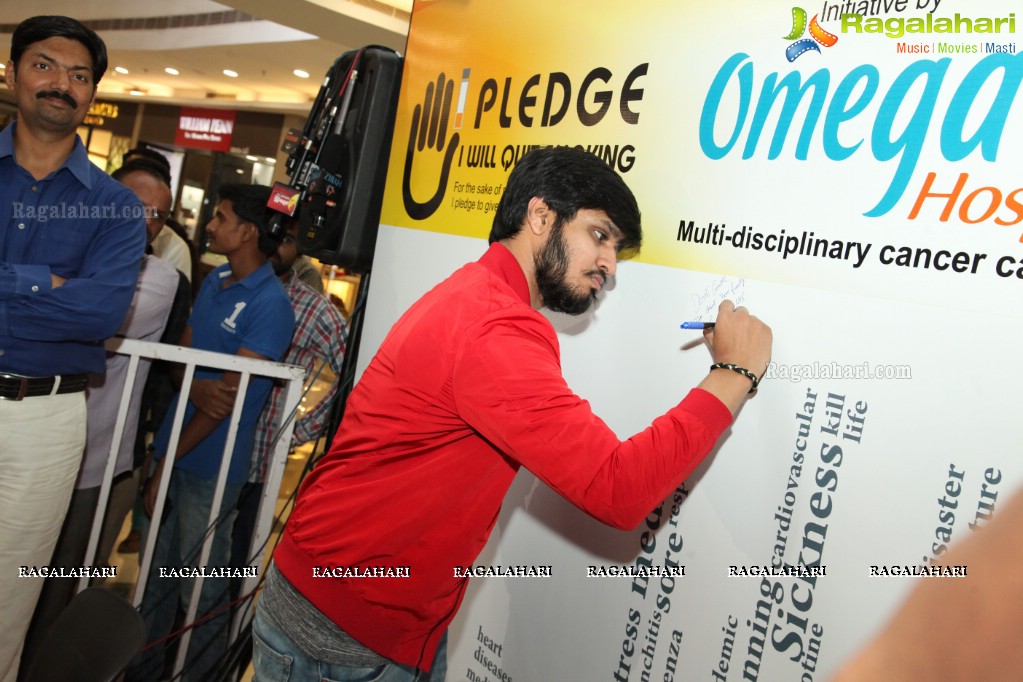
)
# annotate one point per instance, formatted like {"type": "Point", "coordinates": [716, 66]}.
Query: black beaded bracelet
{"type": "Point", "coordinates": [741, 370]}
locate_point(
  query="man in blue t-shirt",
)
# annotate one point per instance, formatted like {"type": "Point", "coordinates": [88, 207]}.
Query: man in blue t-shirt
{"type": "Point", "coordinates": [242, 310]}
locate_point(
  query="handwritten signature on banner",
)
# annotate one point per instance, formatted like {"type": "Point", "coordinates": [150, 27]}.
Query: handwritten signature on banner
{"type": "Point", "coordinates": [705, 303]}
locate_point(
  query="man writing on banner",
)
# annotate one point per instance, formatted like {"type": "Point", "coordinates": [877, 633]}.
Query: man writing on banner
{"type": "Point", "coordinates": [71, 244]}
{"type": "Point", "coordinates": [465, 389]}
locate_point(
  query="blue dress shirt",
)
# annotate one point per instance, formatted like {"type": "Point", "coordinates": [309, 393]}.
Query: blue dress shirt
{"type": "Point", "coordinates": [76, 223]}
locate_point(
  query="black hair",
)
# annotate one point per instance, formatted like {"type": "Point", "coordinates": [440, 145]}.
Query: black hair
{"type": "Point", "coordinates": [250, 204]}
{"type": "Point", "coordinates": [150, 155]}
{"type": "Point", "coordinates": [36, 29]}
{"type": "Point", "coordinates": [567, 179]}
{"type": "Point", "coordinates": [142, 165]}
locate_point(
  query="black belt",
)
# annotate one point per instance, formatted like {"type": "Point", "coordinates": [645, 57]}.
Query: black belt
{"type": "Point", "coordinates": [15, 387]}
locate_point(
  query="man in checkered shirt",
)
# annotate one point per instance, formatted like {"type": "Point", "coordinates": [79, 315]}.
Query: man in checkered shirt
{"type": "Point", "coordinates": [321, 335]}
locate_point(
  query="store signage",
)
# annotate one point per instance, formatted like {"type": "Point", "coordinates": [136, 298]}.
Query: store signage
{"type": "Point", "coordinates": [205, 129]}
{"type": "Point", "coordinates": [99, 112]}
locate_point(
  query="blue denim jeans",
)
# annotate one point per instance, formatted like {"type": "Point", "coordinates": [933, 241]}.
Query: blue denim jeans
{"type": "Point", "coordinates": [178, 546]}
{"type": "Point", "coordinates": [276, 659]}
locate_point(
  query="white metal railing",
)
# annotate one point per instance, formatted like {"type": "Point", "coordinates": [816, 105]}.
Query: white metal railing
{"type": "Point", "coordinates": [191, 358]}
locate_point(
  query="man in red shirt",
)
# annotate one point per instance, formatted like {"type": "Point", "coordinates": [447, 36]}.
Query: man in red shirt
{"type": "Point", "coordinates": [466, 388]}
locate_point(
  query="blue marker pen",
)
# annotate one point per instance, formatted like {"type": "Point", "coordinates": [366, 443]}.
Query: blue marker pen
{"type": "Point", "coordinates": [697, 325]}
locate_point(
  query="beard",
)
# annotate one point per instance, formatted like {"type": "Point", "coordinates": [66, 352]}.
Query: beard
{"type": "Point", "coordinates": [551, 267]}
{"type": "Point", "coordinates": [279, 266]}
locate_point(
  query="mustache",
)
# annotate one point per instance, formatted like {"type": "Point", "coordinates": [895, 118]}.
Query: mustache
{"type": "Point", "coordinates": [57, 94]}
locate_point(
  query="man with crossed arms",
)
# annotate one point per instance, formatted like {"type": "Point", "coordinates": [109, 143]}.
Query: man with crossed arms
{"type": "Point", "coordinates": [71, 244]}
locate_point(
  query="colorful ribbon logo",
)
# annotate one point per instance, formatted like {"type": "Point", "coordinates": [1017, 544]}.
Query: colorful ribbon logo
{"type": "Point", "coordinates": [817, 35]}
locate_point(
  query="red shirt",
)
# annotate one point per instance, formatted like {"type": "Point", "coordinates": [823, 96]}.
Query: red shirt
{"type": "Point", "coordinates": [466, 387]}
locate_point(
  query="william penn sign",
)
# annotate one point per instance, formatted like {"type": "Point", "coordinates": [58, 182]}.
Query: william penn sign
{"type": "Point", "coordinates": [205, 129]}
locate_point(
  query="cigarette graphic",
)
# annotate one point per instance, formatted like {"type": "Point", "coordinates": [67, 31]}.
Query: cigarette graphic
{"type": "Point", "coordinates": [463, 93]}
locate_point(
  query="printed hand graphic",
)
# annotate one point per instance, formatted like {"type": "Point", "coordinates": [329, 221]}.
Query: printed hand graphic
{"type": "Point", "coordinates": [428, 131]}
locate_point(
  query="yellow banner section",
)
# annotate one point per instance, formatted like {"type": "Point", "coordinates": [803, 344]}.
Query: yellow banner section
{"type": "Point", "coordinates": [849, 145]}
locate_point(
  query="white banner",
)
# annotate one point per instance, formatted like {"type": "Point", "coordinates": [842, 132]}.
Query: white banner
{"type": "Point", "coordinates": [849, 173]}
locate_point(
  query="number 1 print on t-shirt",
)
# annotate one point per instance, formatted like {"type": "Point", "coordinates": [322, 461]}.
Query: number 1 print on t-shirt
{"type": "Point", "coordinates": [229, 323]}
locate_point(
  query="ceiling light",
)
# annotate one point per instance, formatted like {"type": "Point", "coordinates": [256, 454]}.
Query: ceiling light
{"type": "Point", "coordinates": [300, 73]}
{"type": "Point", "coordinates": [121, 69]}
{"type": "Point", "coordinates": [173, 72]}
{"type": "Point", "coordinates": [136, 92]}
{"type": "Point", "coordinates": [229, 72]}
